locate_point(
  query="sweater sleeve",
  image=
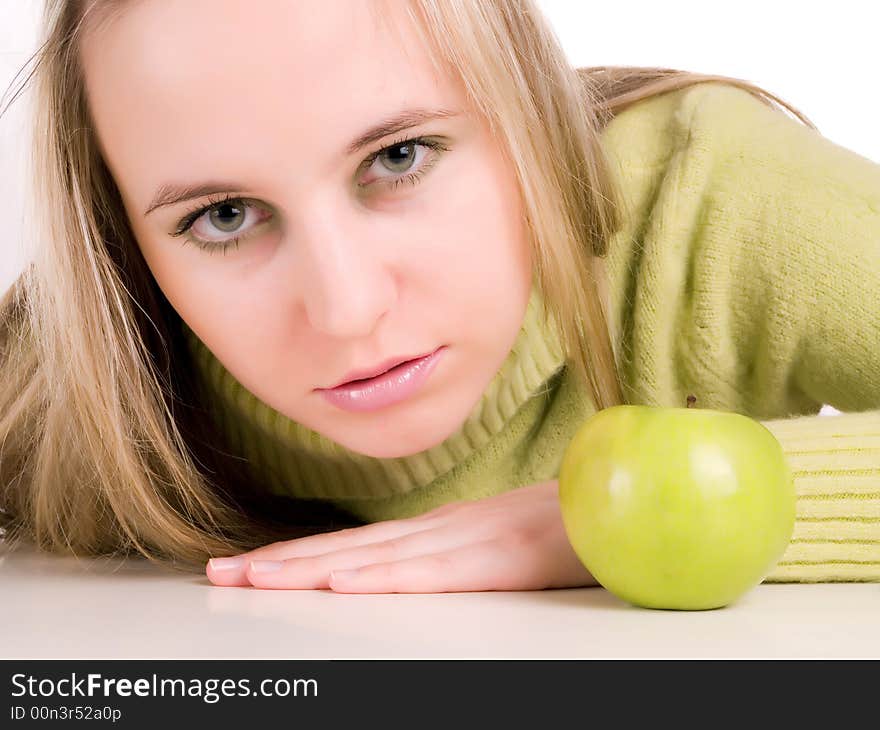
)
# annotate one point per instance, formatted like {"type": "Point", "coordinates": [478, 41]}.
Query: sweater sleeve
{"type": "Point", "coordinates": [805, 214]}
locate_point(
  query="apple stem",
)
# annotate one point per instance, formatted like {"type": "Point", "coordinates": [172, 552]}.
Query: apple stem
{"type": "Point", "coordinates": [691, 400]}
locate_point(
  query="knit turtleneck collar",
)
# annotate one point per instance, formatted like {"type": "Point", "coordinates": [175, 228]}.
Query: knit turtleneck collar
{"type": "Point", "coordinates": [296, 461]}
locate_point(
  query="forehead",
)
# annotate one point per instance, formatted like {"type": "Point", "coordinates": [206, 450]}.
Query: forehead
{"type": "Point", "coordinates": [188, 82]}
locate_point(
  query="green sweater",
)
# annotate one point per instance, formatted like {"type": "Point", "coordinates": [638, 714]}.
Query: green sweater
{"type": "Point", "coordinates": [747, 273]}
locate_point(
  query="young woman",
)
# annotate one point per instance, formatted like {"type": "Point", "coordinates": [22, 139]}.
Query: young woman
{"type": "Point", "coordinates": [244, 216]}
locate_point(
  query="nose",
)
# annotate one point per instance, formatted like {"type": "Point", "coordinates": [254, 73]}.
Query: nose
{"type": "Point", "coordinates": [345, 279]}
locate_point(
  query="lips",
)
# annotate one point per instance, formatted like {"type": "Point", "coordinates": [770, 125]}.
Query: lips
{"type": "Point", "coordinates": [378, 370]}
{"type": "Point", "coordinates": [398, 384]}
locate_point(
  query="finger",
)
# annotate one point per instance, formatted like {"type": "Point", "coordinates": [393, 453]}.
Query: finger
{"type": "Point", "coordinates": [361, 535]}
{"type": "Point", "coordinates": [313, 572]}
{"type": "Point", "coordinates": [473, 567]}
{"type": "Point", "coordinates": [232, 571]}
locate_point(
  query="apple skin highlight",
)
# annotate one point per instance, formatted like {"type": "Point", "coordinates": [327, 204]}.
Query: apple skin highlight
{"type": "Point", "coordinates": [676, 508]}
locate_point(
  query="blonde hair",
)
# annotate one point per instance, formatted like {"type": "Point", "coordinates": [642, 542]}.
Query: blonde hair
{"type": "Point", "coordinates": [105, 447]}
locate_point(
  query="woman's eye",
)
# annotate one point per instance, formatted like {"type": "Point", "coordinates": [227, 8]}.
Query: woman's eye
{"type": "Point", "coordinates": [404, 160]}
{"type": "Point", "coordinates": [229, 218]}
{"type": "Point", "coordinates": [233, 217]}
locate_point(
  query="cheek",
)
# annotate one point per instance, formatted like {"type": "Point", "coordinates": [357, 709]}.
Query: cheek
{"type": "Point", "coordinates": [231, 312]}
{"type": "Point", "coordinates": [189, 288]}
{"type": "Point", "coordinates": [249, 332]}
{"type": "Point", "coordinates": [170, 262]}
{"type": "Point", "coordinates": [487, 234]}
{"type": "Point", "coordinates": [237, 315]}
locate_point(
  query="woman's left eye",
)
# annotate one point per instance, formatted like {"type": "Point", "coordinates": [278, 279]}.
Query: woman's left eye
{"type": "Point", "coordinates": [399, 159]}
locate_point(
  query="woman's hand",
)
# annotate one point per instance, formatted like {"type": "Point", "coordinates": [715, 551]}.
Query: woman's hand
{"type": "Point", "coordinates": [513, 541]}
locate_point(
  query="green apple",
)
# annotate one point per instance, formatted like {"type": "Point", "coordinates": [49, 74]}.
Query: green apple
{"type": "Point", "coordinates": [676, 508]}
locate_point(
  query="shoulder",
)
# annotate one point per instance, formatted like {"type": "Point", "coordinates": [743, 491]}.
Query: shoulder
{"type": "Point", "coordinates": [712, 118]}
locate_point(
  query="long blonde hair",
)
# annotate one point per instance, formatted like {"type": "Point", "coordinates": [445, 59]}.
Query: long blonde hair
{"type": "Point", "coordinates": [105, 447]}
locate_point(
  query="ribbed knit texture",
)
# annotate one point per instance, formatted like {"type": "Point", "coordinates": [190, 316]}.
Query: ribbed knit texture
{"type": "Point", "coordinates": [747, 273]}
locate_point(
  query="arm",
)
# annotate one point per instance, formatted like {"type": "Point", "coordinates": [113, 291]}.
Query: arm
{"type": "Point", "coordinates": [806, 214]}
{"type": "Point", "coordinates": [835, 461]}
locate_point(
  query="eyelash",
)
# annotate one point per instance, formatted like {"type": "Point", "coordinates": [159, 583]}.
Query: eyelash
{"type": "Point", "coordinates": [411, 178]}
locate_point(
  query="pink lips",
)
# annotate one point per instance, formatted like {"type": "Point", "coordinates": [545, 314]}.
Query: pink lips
{"type": "Point", "coordinates": [393, 386]}
{"type": "Point", "coordinates": [367, 374]}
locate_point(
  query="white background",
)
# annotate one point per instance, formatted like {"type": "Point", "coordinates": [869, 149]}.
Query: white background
{"type": "Point", "coordinates": [822, 58]}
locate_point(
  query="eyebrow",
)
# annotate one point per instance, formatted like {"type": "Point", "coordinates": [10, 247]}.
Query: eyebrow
{"type": "Point", "coordinates": [173, 193]}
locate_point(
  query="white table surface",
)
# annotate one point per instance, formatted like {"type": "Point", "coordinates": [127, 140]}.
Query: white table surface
{"type": "Point", "coordinates": [60, 607]}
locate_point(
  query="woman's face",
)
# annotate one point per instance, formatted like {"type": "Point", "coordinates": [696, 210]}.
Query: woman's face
{"type": "Point", "coordinates": [342, 262]}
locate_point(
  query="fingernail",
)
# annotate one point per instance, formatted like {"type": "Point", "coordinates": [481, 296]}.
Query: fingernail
{"type": "Point", "coordinates": [226, 563]}
{"type": "Point", "coordinates": [265, 566]}
{"type": "Point", "coordinates": [343, 574]}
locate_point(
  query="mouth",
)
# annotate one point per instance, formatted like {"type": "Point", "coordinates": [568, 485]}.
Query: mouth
{"type": "Point", "coordinates": [359, 376]}
{"type": "Point", "coordinates": [399, 383]}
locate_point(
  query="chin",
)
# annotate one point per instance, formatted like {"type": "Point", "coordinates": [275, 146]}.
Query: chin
{"type": "Point", "coordinates": [393, 442]}
{"type": "Point", "coordinates": [394, 449]}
